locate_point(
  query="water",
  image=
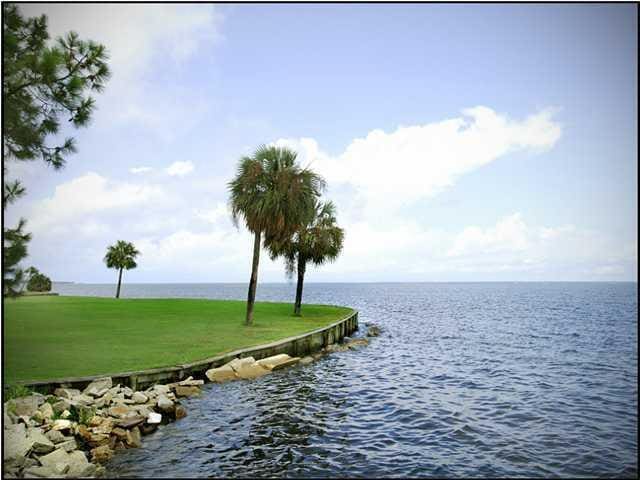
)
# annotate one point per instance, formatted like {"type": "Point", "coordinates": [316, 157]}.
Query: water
{"type": "Point", "coordinates": [468, 379]}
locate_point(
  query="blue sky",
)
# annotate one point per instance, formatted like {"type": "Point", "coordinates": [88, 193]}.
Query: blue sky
{"type": "Point", "coordinates": [460, 142]}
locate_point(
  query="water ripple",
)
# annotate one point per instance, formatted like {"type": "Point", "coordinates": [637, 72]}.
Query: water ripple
{"type": "Point", "coordinates": [471, 380]}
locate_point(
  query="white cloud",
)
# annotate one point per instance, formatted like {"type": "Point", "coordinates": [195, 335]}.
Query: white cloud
{"type": "Point", "coordinates": [135, 35]}
{"type": "Point", "coordinates": [137, 170]}
{"type": "Point", "coordinates": [179, 169]}
{"type": "Point", "coordinates": [509, 234]}
{"type": "Point", "coordinates": [220, 211]}
{"type": "Point", "coordinates": [389, 170]}
{"type": "Point", "coordinates": [89, 194]}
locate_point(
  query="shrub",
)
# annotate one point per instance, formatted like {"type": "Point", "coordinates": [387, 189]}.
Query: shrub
{"type": "Point", "coordinates": [39, 283]}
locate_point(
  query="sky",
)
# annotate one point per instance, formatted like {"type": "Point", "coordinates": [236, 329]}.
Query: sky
{"type": "Point", "coordinates": [459, 142]}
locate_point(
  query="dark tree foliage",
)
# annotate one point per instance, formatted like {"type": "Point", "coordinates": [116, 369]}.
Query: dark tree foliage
{"type": "Point", "coordinates": [43, 84]}
{"type": "Point", "coordinates": [14, 249]}
{"type": "Point", "coordinates": [38, 282]}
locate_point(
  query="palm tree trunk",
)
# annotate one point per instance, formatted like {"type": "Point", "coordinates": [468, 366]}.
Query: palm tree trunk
{"type": "Point", "coordinates": [119, 282]}
{"type": "Point", "coordinates": [302, 266]}
{"type": "Point", "coordinates": [251, 297]}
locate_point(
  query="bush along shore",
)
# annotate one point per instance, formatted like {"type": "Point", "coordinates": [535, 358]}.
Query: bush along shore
{"type": "Point", "coordinates": [72, 432]}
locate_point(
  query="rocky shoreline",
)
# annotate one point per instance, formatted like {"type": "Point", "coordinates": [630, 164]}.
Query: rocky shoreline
{"type": "Point", "coordinates": [71, 433]}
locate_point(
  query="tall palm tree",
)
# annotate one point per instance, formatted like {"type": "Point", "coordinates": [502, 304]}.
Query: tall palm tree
{"type": "Point", "coordinates": [122, 256]}
{"type": "Point", "coordinates": [318, 241]}
{"type": "Point", "coordinates": [274, 196]}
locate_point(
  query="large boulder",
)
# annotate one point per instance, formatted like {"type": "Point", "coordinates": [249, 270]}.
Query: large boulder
{"type": "Point", "coordinates": [98, 387]}
{"type": "Point", "coordinates": [41, 444]}
{"type": "Point", "coordinates": [247, 368]}
{"type": "Point", "coordinates": [79, 466]}
{"type": "Point", "coordinates": [16, 444]}
{"type": "Point", "coordinates": [58, 460]}
{"type": "Point", "coordinates": [221, 374]}
{"type": "Point", "coordinates": [277, 362]}
{"type": "Point", "coordinates": [25, 406]}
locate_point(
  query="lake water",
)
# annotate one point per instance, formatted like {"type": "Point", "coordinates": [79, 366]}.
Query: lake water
{"type": "Point", "coordinates": [467, 379]}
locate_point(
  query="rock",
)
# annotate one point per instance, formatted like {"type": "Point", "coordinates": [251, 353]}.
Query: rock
{"type": "Point", "coordinates": [161, 389]}
{"type": "Point", "coordinates": [306, 360]}
{"type": "Point", "coordinates": [180, 412]}
{"type": "Point", "coordinates": [120, 446]}
{"type": "Point", "coordinates": [278, 361]}
{"type": "Point", "coordinates": [165, 404]}
{"type": "Point", "coordinates": [154, 418]}
{"type": "Point", "coordinates": [95, 421]}
{"type": "Point", "coordinates": [61, 406]}
{"type": "Point", "coordinates": [101, 454]}
{"type": "Point", "coordinates": [40, 472]}
{"type": "Point", "coordinates": [55, 436]}
{"type": "Point", "coordinates": [104, 427]}
{"type": "Point", "coordinates": [41, 444]}
{"type": "Point", "coordinates": [57, 460]}
{"type": "Point", "coordinates": [373, 331]}
{"type": "Point", "coordinates": [146, 428]}
{"type": "Point", "coordinates": [187, 390]}
{"type": "Point", "coordinates": [15, 442]}
{"type": "Point", "coordinates": [65, 414]}
{"type": "Point", "coordinates": [127, 392]}
{"type": "Point", "coordinates": [114, 390]}
{"type": "Point", "coordinates": [139, 397]}
{"type": "Point", "coordinates": [61, 425]}
{"type": "Point", "coordinates": [67, 393]}
{"type": "Point", "coordinates": [25, 406]}
{"type": "Point", "coordinates": [119, 411]}
{"type": "Point", "coordinates": [143, 410]}
{"type": "Point", "coordinates": [358, 343]}
{"type": "Point", "coordinates": [191, 382]}
{"type": "Point", "coordinates": [79, 466]}
{"type": "Point", "coordinates": [121, 433]}
{"type": "Point", "coordinates": [69, 445]}
{"type": "Point", "coordinates": [83, 432]}
{"type": "Point", "coordinates": [317, 355]}
{"type": "Point", "coordinates": [133, 438]}
{"type": "Point", "coordinates": [130, 422]}
{"type": "Point", "coordinates": [46, 410]}
{"type": "Point", "coordinates": [247, 368]}
{"type": "Point", "coordinates": [98, 387]}
{"type": "Point", "coordinates": [82, 400]}
{"type": "Point", "coordinates": [104, 401]}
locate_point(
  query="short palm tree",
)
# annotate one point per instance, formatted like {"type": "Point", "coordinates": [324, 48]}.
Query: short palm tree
{"type": "Point", "coordinates": [122, 256]}
{"type": "Point", "coordinates": [319, 241]}
{"type": "Point", "coordinates": [274, 196]}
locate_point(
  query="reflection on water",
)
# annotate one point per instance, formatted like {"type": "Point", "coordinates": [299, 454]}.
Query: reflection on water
{"type": "Point", "coordinates": [484, 379]}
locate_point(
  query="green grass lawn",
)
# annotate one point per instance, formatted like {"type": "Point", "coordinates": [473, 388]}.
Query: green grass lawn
{"type": "Point", "coordinates": [53, 337]}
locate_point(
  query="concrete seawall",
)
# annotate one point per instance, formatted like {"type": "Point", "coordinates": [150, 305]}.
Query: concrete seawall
{"type": "Point", "coordinates": [297, 346]}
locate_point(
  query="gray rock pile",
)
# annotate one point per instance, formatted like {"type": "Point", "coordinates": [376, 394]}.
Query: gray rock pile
{"type": "Point", "coordinates": [70, 433]}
